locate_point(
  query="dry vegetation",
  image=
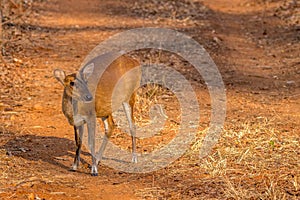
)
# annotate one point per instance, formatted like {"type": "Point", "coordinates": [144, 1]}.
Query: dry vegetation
{"type": "Point", "coordinates": [254, 43]}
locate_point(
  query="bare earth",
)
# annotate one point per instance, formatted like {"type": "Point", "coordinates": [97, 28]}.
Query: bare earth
{"type": "Point", "coordinates": [255, 44]}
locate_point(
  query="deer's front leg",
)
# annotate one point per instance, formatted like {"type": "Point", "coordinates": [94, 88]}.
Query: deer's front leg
{"type": "Point", "coordinates": [91, 125]}
{"type": "Point", "coordinates": [78, 132]}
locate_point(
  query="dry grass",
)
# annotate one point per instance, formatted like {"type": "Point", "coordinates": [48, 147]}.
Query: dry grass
{"type": "Point", "coordinates": [251, 161]}
{"type": "Point", "coordinates": [254, 159]}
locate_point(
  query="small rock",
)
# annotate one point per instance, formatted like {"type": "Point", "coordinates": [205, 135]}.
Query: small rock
{"type": "Point", "coordinates": [217, 40]}
{"type": "Point", "coordinates": [290, 83]}
{"type": "Point", "coordinates": [37, 198]}
{"type": "Point", "coordinates": [17, 60]}
{"type": "Point", "coordinates": [38, 107]}
{"type": "Point", "coordinates": [8, 109]}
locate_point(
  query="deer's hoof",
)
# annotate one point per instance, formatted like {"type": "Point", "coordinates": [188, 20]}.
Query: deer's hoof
{"type": "Point", "coordinates": [94, 174]}
{"type": "Point", "coordinates": [134, 158]}
{"type": "Point", "coordinates": [73, 168]}
{"type": "Point", "coordinates": [94, 171]}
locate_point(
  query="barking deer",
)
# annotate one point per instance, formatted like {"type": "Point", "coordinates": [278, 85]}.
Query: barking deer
{"type": "Point", "coordinates": [77, 96]}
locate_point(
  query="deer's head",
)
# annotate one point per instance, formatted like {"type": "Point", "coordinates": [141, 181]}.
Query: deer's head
{"type": "Point", "coordinates": [75, 86]}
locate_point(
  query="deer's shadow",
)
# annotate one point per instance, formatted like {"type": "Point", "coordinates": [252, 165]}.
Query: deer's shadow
{"type": "Point", "coordinates": [52, 150]}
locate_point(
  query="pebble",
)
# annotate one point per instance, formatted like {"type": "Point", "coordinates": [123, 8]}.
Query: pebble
{"type": "Point", "coordinates": [38, 107]}
{"type": "Point", "coordinates": [8, 109]}
{"type": "Point", "coordinates": [290, 83]}
{"type": "Point", "coordinates": [217, 40]}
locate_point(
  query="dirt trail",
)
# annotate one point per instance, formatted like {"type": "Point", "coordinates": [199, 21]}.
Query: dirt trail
{"type": "Point", "coordinates": [256, 47]}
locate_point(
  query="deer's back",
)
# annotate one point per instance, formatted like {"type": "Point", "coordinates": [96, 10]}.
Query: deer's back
{"type": "Point", "coordinates": [117, 84]}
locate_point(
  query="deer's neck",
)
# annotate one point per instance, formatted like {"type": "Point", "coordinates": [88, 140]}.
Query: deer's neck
{"type": "Point", "coordinates": [69, 107]}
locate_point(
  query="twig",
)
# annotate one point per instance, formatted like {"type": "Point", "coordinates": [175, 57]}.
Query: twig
{"type": "Point", "coordinates": [28, 181]}
{"type": "Point", "coordinates": [16, 5]}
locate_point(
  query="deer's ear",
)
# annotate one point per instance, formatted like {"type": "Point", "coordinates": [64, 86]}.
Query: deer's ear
{"type": "Point", "coordinates": [60, 75]}
{"type": "Point", "coordinates": [87, 71]}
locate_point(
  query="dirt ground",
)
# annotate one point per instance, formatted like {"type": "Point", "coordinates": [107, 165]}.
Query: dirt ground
{"type": "Point", "coordinates": [255, 44]}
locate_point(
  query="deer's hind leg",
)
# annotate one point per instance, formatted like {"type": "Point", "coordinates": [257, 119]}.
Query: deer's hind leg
{"type": "Point", "coordinates": [128, 108]}
{"type": "Point", "coordinates": [108, 128]}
